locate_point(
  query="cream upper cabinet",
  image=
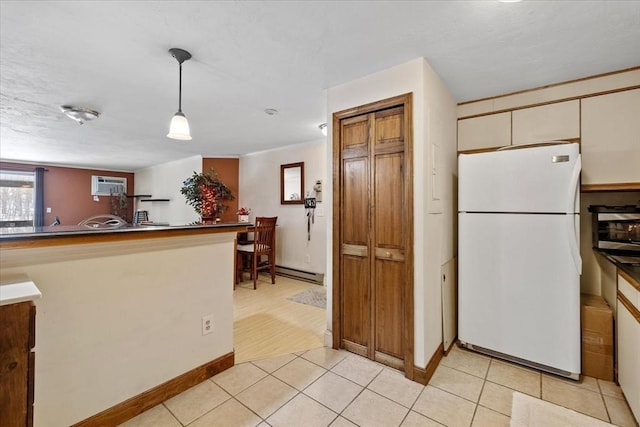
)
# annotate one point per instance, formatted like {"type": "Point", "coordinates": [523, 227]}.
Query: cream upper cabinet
{"type": "Point", "coordinates": [489, 131]}
{"type": "Point", "coordinates": [551, 122]}
{"type": "Point", "coordinates": [611, 138]}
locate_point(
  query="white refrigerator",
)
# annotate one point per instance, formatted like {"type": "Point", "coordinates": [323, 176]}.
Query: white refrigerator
{"type": "Point", "coordinates": [518, 253]}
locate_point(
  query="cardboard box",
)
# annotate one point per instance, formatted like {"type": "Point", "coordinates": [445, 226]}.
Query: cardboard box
{"type": "Point", "coordinates": [596, 320]}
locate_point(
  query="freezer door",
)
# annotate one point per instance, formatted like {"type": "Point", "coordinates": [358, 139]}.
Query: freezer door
{"type": "Point", "coordinates": [533, 179]}
{"type": "Point", "coordinates": [519, 288]}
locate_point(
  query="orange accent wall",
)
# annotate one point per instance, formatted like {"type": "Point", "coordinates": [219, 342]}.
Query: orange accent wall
{"type": "Point", "coordinates": [228, 172]}
{"type": "Point", "coordinates": [67, 191]}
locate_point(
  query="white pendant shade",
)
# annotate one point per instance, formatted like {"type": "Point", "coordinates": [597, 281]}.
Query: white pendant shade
{"type": "Point", "coordinates": [179, 128]}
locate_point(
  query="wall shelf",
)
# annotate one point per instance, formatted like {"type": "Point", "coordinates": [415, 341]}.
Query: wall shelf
{"type": "Point", "coordinates": [155, 200]}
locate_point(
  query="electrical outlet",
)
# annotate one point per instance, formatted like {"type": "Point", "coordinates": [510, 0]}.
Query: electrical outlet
{"type": "Point", "coordinates": [207, 324]}
{"type": "Point", "coordinates": [307, 259]}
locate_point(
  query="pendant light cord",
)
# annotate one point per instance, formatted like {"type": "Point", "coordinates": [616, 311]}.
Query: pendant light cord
{"type": "Point", "coordinates": [180, 91]}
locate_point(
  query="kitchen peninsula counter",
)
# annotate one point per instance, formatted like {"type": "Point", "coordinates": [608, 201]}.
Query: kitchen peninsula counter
{"type": "Point", "coordinates": [119, 323]}
{"type": "Point", "coordinates": [74, 234]}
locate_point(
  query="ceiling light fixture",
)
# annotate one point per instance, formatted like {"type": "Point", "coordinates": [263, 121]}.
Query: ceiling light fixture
{"type": "Point", "coordinates": [79, 114]}
{"type": "Point", "coordinates": [271, 111]}
{"type": "Point", "coordinates": [323, 129]}
{"type": "Point", "coordinates": [179, 128]}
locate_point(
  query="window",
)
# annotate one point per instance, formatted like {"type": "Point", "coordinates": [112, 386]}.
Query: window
{"type": "Point", "coordinates": [17, 201]}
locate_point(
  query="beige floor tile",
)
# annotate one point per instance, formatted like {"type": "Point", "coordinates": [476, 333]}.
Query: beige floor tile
{"type": "Point", "coordinates": [457, 382]}
{"type": "Point", "coordinates": [393, 385]}
{"type": "Point", "coordinates": [299, 373]}
{"type": "Point", "coordinates": [444, 407]}
{"type": "Point", "coordinates": [158, 416]}
{"type": "Point", "coordinates": [342, 422]}
{"type": "Point", "coordinates": [572, 397]}
{"type": "Point", "coordinates": [357, 369]}
{"type": "Point", "coordinates": [587, 383]}
{"type": "Point", "coordinates": [485, 417]}
{"type": "Point", "coordinates": [266, 396]}
{"type": "Point", "coordinates": [609, 388]}
{"type": "Point", "coordinates": [324, 356]}
{"type": "Point", "coordinates": [333, 391]}
{"type": "Point", "coordinates": [518, 378]}
{"type": "Point", "coordinates": [230, 413]}
{"type": "Point", "coordinates": [239, 377]}
{"type": "Point", "coordinates": [273, 363]}
{"type": "Point", "coordinates": [302, 411]}
{"type": "Point", "coordinates": [497, 397]}
{"type": "Point", "coordinates": [414, 419]}
{"type": "Point", "coordinates": [197, 401]}
{"type": "Point", "coordinates": [619, 412]}
{"type": "Point", "coordinates": [467, 361]}
{"type": "Point", "coordinates": [370, 409]}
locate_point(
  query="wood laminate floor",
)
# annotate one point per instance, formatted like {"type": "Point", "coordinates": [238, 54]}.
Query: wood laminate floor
{"type": "Point", "coordinates": [267, 324]}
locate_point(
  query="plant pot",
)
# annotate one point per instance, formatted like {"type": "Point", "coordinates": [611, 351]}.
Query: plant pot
{"type": "Point", "coordinates": [243, 218]}
{"type": "Point", "coordinates": [208, 220]}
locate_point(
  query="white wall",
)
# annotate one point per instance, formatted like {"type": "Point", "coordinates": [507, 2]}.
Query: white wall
{"type": "Point", "coordinates": [260, 191]}
{"type": "Point", "coordinates": [118, 318]}
{"type": "Point", "coordinates": [164, 182]}
{"type": "Point", "coordinates": [434, 124]}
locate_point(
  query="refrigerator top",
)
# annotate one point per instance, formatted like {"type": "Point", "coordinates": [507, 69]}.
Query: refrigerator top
{"type": "Point", "coordinates": [534, 179]}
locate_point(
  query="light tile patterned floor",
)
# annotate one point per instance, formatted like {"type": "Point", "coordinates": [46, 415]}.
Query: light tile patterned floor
{"type": "Point", "coordinates": [325, 387]}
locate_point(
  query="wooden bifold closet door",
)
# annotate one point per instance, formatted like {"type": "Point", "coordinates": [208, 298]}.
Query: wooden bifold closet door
{"type": "Point", "coordinates": [374, 233]}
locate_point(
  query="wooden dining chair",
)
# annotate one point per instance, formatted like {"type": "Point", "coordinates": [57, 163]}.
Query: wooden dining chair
{"type": "Point", "coordinates": [264, 245]}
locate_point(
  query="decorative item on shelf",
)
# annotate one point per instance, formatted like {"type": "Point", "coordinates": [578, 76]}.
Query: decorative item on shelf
{"type": "Point", "coordinates": [243, 214]}
{"type": "Point", "coordinates": [206, 193]}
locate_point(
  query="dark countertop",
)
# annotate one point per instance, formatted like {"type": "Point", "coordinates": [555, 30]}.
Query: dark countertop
{"type": "Point", "coordinates": [61, 233]}
{"type": "Point", "coordinates": [632, 268]}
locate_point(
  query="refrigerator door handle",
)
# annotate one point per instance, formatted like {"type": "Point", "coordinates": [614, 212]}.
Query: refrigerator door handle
{"type": "Point", "coordinates": [572, 237]}
{"type": "Point", "coordinates": [574, 187]}
{"type": "Point", "coordinates": [573, 227]}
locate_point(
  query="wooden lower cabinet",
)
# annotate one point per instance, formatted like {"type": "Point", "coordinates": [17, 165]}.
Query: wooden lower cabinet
{"type": "Point", "coordinates": [373, 234]}
{"type": "Point", "coordinates": [17, 363]}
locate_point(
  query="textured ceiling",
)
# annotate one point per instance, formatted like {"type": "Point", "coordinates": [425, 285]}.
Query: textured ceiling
{"type": "Point", "coordinates": [247, 56]}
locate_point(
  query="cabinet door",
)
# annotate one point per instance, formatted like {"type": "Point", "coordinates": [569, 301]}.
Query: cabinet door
{"type": "Point", "coordinates": [553, 122]}
{"type": "Point", "coordinates": [628, 356]}
{"type": "Point", "coordinates": [611, 138]}
{"type": "Point", "coordinates": [484, 132]}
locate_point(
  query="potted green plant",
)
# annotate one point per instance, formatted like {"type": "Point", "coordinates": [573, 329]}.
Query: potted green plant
{"type": "Point", "coordinates": [206, 193]}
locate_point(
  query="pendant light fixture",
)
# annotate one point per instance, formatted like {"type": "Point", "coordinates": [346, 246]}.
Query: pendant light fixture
{"type": "Point", "coordinates": [179, 128]}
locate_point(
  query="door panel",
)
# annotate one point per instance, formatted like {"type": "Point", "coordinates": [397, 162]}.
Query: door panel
{"type": "Point", "coordinates": [355, 212]}
{"type": "Point", "coordinates": [389, 205]}
{"type": "Point", "coordinates": [356, 299]}
{"type": "Point", "coordinates": [389, 315]}
{"type": "Point", "coordinates": [355, 133]}
{"type": "Point", "coordinates": [389, 126]}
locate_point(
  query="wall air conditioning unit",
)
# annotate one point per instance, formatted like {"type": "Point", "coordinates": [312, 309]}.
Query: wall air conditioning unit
{"type": "Point", "coordinates": [107, 185]}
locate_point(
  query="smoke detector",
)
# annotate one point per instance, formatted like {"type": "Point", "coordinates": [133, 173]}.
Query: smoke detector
{"type": "Point", "coordinates": [79, 114]}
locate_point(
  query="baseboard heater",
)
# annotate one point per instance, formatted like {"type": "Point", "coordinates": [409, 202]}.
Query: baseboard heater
{"type": "Point", "coordinates": [317, 278]}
